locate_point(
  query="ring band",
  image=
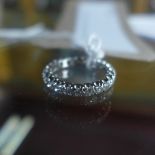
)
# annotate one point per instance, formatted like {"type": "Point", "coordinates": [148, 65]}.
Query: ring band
{"type": "Point", "coordinates": [63, 87]}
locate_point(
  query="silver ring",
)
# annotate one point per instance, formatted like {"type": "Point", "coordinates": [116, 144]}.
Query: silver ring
{"type": "Point", "coordinates": [61, 86]}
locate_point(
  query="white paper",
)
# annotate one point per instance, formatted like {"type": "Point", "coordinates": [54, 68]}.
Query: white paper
{"type": "Point", "coordinates": [143, 25]}
{"type": "Point", "coordinates": [102, 19]}
{"type": "Point", "coordinates": [21, 34]}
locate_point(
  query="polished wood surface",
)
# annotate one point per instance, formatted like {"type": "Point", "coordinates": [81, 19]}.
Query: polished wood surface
{"type": "Point", "coordinates": [128, 127]}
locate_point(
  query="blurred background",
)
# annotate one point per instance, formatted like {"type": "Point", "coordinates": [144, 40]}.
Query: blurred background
{"type": "Point", "coordinates": [32, 33]}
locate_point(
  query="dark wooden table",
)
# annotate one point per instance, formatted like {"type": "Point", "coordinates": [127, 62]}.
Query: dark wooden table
{"type": "Point", "coordinates": [121, 128]}
{"type": "Point", "coordinates": [125, 126]}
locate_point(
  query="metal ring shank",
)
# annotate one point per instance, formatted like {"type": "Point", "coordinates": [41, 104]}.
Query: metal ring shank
{"type": "Point", "coordinates": [61, 86]}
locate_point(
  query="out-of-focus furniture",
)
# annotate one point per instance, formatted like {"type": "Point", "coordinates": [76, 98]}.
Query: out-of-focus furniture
{"type": "Point", "coordinates": [29, 9]}
{"type": "Point", "coordinates": [1, 11]}
{"type": "Point", "coordinates": [73, 20]}
{"type": "Point", "coordinates": [140, 6]}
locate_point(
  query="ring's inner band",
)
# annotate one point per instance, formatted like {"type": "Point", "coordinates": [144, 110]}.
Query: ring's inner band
{"type": "Point", "coordinates": [79, 73]}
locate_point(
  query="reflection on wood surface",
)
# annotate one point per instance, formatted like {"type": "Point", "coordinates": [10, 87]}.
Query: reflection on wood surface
{"type": "Point", "coordinates": [5, 66]}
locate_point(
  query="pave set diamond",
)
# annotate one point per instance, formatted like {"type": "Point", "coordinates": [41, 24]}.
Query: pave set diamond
{"type": "Point", "coordinates": [61, 86]}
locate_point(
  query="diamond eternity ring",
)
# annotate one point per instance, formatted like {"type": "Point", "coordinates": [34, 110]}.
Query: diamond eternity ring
{"type": "Point", "coordinates": [60, 85]}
